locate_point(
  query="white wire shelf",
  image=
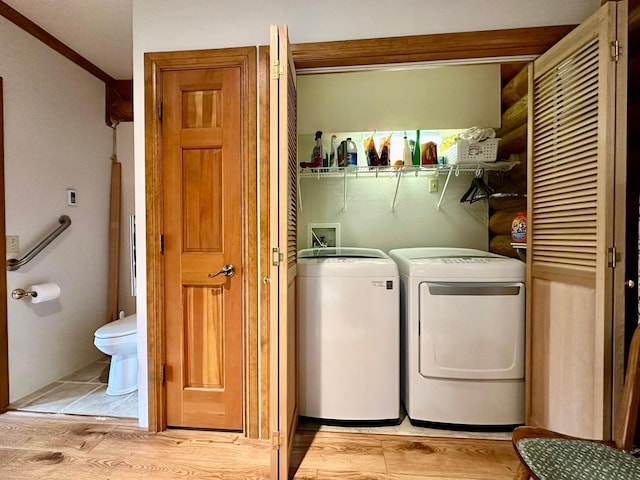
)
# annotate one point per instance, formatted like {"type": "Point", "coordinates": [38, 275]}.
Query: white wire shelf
{"type": "Point", "coordinates": [392, 171]}
{"type": "Point", "coordinates": [398, 172]}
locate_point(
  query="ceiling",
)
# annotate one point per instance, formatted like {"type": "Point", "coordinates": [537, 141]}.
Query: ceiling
{"type": "Point", "coordinates": [99, 30]}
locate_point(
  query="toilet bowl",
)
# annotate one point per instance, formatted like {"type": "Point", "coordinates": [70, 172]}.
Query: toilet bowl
{"type": "Point", "coordinates": [120, 340]}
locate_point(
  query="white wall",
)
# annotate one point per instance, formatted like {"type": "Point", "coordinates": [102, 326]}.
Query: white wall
{"type": "Point", "coordinates": [436, 98]}
{"type": "Point", "coordinates": [415, 221]}
{"type": "Point", "coordinates": [169, 25]}
{"type": "Point", "coordinates": [55, 138]}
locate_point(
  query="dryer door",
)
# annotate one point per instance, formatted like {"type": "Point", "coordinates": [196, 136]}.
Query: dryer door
{"type": "Point", "coordinates": [472, 330]}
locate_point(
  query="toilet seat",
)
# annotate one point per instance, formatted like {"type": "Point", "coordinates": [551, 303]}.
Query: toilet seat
{"type": "Point", "coordinates": [118, 328]}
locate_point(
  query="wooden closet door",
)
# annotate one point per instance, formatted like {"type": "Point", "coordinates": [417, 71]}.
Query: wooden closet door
{"type": "Point", "coordinates": [283, 228]}
{"type": "Point", "coordinates": [576, 171]}
{"type": "Point", "coordinates": [202, 233]}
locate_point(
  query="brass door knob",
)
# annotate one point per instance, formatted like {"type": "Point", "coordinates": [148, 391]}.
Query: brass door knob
{"type": "Point", "coordinates": [630, 283]}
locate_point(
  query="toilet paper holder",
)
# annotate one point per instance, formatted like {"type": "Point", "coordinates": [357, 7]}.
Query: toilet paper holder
{"type": "Point", "coordinates": [38, 293]}
{"type": "Point", "coordinates": [19, 293]}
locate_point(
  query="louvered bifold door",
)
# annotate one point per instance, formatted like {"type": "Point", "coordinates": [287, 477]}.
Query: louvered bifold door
{"type": "Point", "coordinates": [571, 223]}
{"type": "Point", "coordinates": [283, 227]}
{"type": "Point", "coordinates": [290, 409]}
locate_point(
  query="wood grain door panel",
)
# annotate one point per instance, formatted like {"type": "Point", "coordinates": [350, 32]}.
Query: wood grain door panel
{"type": "Point", "coordinates": [203, 200]}
{"type": "Point", "coordinates": [283, 200]}
{"type": "Point", "coordinates": [573, 219]}
{"type": "Point", "coordinates": [203, 337]}
{"type": "Point", "coordinates": [203, 232]}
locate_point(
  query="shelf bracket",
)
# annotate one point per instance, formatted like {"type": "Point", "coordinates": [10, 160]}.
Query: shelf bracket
{"type": "Point", "coordinates": [395, 195]}
{"type": "Point", "coordinates": [344, 190]}
{"type": "Point", "coordinates": [444, 188]}
{"type": "Point", "coordinates": [299, 193]}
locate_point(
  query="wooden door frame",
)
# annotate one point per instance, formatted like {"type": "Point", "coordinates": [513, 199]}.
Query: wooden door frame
{"type": "Point", "coordinates": [154, 66]}
{"type": "Point", "coordinates": [4, 334]}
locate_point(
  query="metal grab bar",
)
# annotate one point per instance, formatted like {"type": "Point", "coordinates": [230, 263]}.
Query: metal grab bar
{"type": "Point", "coordinates": [15, 264]}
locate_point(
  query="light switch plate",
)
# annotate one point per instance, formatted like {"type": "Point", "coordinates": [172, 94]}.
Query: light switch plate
{"type": "Point", "coordinates": [13, 243]}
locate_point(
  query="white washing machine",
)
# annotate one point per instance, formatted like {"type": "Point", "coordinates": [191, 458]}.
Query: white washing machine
{"type": "Point", "coordinates": [348, 335]}
{"type": "Point", "coordinates": [463, 323]}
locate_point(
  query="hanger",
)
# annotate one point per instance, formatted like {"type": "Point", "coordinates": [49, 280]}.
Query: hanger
{"type": "Point", "coordinates": [478, 190]}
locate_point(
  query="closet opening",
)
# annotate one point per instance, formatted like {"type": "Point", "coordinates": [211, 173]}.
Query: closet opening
{"type": "Point", "coordinates": [378, 54]}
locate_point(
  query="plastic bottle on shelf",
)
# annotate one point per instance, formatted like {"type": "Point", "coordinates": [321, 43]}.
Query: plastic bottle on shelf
{"type": "Point", "coordinates": [333, 154]}
{"type": "Point", "coordinates": [429, 153]}
{"type": "Point", "coordinates": [352, 152]}
{"type": "Point", "coordinates": [316, 154]}
{"type": "Point", "coordinates": [406, 151]}
{"type": "Point", "coordinates": [385, 150]}
{"type": "Point", "coordinates": [416, 150]}
{"type": "Point", "coordinates": [342, 154]}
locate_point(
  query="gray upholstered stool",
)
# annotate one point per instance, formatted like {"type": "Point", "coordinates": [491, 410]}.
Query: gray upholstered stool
{"type": "Point", "coordinates": [562, 459]}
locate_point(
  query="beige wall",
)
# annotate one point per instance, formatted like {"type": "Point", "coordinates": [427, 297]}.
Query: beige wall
{"type": "Point", "coordinates": [434, 98]}
{"type": "Point", "coordinates": [415, 221]}
{"type": "Point", "coordinates": [126, 302]}
{"type": "Point", "coordinates": [451, 97]}
{"type": "Point", "coordinates": [55, 139]}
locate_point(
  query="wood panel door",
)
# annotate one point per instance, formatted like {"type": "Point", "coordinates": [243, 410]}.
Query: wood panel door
{"type": "Point", "coordinates": [283, 227]}
{"type": "Point", "coordinates": [576, 218]}
{"type": "Point", "coordinates": [202, 183]}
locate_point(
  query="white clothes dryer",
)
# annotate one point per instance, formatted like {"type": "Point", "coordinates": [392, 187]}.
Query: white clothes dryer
{"type": "Point", "coordinates": [348, 335]}
{"type": "Point", "coordinates": [463, 323]}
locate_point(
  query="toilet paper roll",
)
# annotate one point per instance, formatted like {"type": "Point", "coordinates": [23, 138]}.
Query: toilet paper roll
{"type": "Point", "coordinates": [44, 292]}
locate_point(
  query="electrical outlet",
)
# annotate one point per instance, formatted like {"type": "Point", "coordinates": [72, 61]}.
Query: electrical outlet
{"type": "Point", "coordinates": [433, 185]}
{"type": "Point", "coordinates": [13, 244]}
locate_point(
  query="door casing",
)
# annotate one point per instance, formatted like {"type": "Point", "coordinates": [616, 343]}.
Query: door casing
{"type": "Point", "coordinates": [155, 65]}
{"type": "Point", "coordinates": [4, 340]}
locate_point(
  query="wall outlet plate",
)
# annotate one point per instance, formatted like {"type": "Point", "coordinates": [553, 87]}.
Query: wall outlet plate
{"type": "Point", "coordinates": [433, 184]}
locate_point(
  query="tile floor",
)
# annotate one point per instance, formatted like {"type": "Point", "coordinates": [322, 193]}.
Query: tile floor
{"type": "Point", "coordinates": [81, 393]}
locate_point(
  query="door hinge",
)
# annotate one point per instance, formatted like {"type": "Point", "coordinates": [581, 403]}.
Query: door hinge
{"type": "Point", "coordinates": [163, 375]}
{"type": "Point", "coordinates": [276, 440]}
{"type": "Point", "coordinates": [613, 257]}
{"type": "Point", "coordinates": [276, 69]}
{"type": "Point", "coordinates": [615, 50]}
{"type": "Point", "coordinates": [160, 111]}
{"type": "Point", "coordinates": [161, 243]}
{"type": "Point", "coordinates": [276, 256]}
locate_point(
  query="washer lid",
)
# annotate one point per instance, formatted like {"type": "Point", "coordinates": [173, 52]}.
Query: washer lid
{"type": "Point", "coordinates": [345, 262]}
{"type": "Point", "coordinates": [352, 252]}
{"type": "Point", "coordinates": [118, 328]}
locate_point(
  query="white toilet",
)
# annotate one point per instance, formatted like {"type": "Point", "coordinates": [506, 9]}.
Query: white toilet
{"type": "Point", "coordinates": [120, 340]}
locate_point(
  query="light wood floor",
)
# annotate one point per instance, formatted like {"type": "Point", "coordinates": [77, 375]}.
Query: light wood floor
{"type": "Point", "coordinates": [52, 447]}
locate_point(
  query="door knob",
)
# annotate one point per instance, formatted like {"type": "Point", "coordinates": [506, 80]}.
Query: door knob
{"type": "Point", "coordinates": [630, 283]}
{"type": "Point", "coordinates": [228, 271]}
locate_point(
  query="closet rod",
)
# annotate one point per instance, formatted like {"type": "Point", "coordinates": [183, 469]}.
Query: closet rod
{"type": "Point", "coordinates": [15, 264]}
